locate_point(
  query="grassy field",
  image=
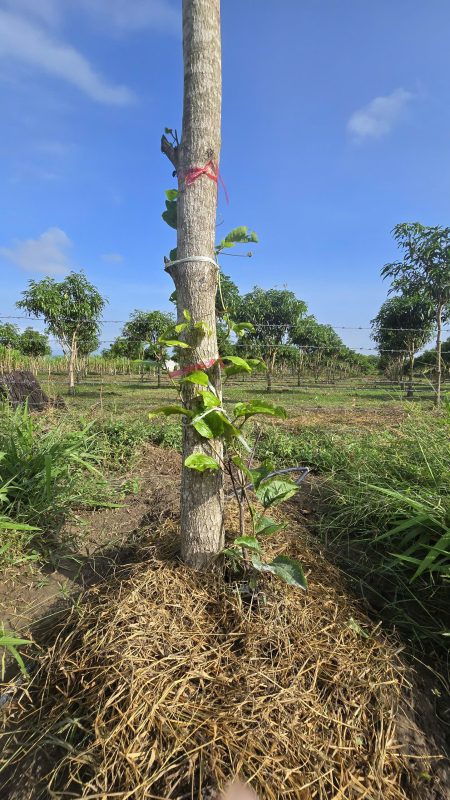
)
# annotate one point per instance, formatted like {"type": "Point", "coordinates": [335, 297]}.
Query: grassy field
{"type": "Point", "coordinates": [123, 396]}
{"type": "Point", "coordinates": [380, 471]}
{"type": "Point", "coordinates": [100, 495]}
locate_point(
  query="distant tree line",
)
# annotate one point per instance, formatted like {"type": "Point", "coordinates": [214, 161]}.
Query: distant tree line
{"type": "Point", "coordinates": [30, 342]}
{"type": "Point", "coordinates": [282, 333]}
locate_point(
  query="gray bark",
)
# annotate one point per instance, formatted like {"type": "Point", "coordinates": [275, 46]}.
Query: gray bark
{"type": "Point", "coordinates": [196, 282]}
{"type": "Point", "coordinates": [72, 358]}
{"type": "Point", "coordinates": [410, 392]}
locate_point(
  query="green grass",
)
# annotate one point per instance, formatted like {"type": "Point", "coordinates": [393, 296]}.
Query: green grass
{"type": "Point", "coordinates": [128, 397]}
{"type": "Point", "coordinates": [384, 500]}
{"type": "Point", "coordinates": [46, 471]}
{"type": "Point", "coordinates": [384, 477]}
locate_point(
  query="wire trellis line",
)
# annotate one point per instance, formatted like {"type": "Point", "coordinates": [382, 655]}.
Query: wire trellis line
{"type": "Point", "coordinates": [277, 326]}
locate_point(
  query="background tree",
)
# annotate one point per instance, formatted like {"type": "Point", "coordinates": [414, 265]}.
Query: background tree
{"type": "Point", "coordinates": [123, 348]}
{"type": "Point", "coordinates": [403, 323]}
{"type": "Point", "coordinates": [317, 341]}
{"type": "Point", "coordinates": [9, 335]}
{"type": "Point", "coordinates": [71, 309]}
{"type": "Point", "coordinates": [424, 272]}
{"type": "Point", "coordinates": [427, 360]}
{"type": "Point", "coordinates": [145, 328]}
{"type": "Point", "coordinates": [201, 523]}
{"type": "Point", "coordinates": [227, 296]}
{"type": "Point", "coordinates": [273, 313]}
{"type": "Point", "coordinates": [34, 344]}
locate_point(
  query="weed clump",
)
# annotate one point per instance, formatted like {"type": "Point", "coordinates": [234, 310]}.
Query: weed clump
{"type": "Point", "coordinates": [384, 499]}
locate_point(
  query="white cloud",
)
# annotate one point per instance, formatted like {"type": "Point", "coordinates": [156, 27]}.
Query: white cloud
{"type": "Point", "coordinates": [48, 11]}
{"type": "Point", "coordinates": [112, 258]}
{"type": "Point", "coordinates": [135, 15]}
{"type": "Point", "coordinates": [27, 43]}
{"type": "Point", "coordinates": [48, 253]}
{"type": "Point", "coordinates": [379, 117]}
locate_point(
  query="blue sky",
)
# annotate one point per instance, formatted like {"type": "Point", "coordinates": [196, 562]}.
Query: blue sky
{"type": "Point", "coordinates": [336, 126]}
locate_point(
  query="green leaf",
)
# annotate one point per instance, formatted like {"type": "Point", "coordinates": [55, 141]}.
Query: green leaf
{"type": "Point", "coordinates": [201, 463]}
{"type": "Point", "coordinates": [202, 427]}
{"type": "Point", "coordinates": [187, 315]}
{"type": "Point", "coordinates": [171, 194]}
{"type": "Point", "coordinates": [240, 328]}
{"type": "Point", "coordinates": [258, 474]}
{"type": "Point", "coordinates": [250, 542]}
{"type": "Point", "coordinates": [169, 410]}
{"type": "Point", "coordinates": [289, 570]}
{"type": "Point", "coordinates": [15, 654]}
{"type": "Point", "coordinates": [170, 214]}
{"type": "Point", "coordinates": [237, 361]}
{"type": "Point", "coordinates": [233, 370]}
{"type": "Point", "coordinates": [208, 399]}
{"type": "Point", "coordinates": [266, 527]}
{"type": "Point", "coordinates": [9, 525]}
{"type": "Point", "coordinates": [174, 343]}
{"type": "Point", "coordinates": [256, 363]}
{"type": "Point", "coordinates": [259, 407]}
{"type": "Point", "coordinates": [235, 556]}
{"type": "Point", "coordinates": [214, 425]}
{"type": "Point", "coordinates": [240, 235]}
{"type": "Point", "coordinates": [181, 327]}
{"type": "Point", "coordinates": [197, 377]}
{"type": "Point", "coordinates": [8, 640]}
{"type": "Point", "coordinates": [203, 328]}
{"type": "Point", "coordinates": [275, 491]}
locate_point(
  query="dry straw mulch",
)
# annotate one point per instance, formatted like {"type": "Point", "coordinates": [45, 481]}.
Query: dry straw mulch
{"type": "Point", "coordinates": [164, 684]}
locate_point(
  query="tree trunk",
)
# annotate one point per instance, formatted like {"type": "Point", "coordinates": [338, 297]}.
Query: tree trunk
{"type": "Point", "coordinates": [438, 356]}
{"type": "Point", "coordinates": [72, 359]}
{"type": "Point", "coordinates": [270, 369]}
{"type": "Point", "coordinates": [410, 392]}
{"type": "Point", "coordinates": [158, 370]}
{"type": "Point", "coordinates": [196, 281]}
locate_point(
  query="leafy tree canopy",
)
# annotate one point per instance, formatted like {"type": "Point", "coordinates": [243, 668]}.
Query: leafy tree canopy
{"type": "Point", "coordinates": [311, 336]}
{"type": "Point", "coordinates": [273, 314]}
{"type": "Point", "coordinates": [34, 344]}
{"type": "Point", "coordinates": [425, 268]}
{"type": "Point", "coordinates": [71, 308]}
{"type": "Point", "coordinates": [145, 328]}
{"type": "Point", "coordinates": [404, 322]}
{"type": "Point", "coordinates": [9, 335]}
{"type": "Point", "coordinates": [123, 348]}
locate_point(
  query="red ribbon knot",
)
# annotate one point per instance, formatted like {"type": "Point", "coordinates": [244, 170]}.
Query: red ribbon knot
{"type": "Point", "coordinates": [211, 170]}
